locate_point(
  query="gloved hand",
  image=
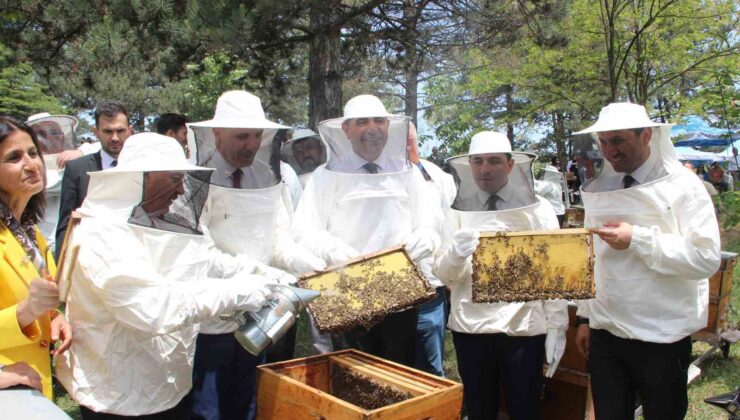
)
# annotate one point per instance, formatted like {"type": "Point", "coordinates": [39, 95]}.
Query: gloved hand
{"type": "Point", "coordinates": [252, 299]}
{"type": "Point", "coordinates": [43, 296]}
{"type": "Point", "coordinates": [464, 243]}
{"type": "Point", "coordinates": [275, 275]}
{"type": "Point", "coordinates": [341, 253]}
{"type": "Point", "coordinates": [420, 245]}
{"type": "Point", "coordinates": [302, 261]}
{"type": "Point", "coordinates": [554, 349]}
{"type": "Point", "coordinates": [224, 297]}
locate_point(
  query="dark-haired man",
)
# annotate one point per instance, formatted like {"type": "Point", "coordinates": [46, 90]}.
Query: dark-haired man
{"type": "Point", "coordinates": [112, 128]}
{"type": "Point", "coordinates": [175, 126]}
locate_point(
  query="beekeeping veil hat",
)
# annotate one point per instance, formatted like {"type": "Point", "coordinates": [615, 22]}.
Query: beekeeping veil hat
{"type": "Point", "coordinates": [56, 133]}
{"type": "Point", "coordinates": [259, 165]}
{"type": "Point", "coordinates": [492, 177]}
{"type": "Point", "coordinates": [149, 187]}
{"type": "Point", "coordinates": [366, 134]}
{"type": "Point", "coordinates": [614, 117]}
{"type": "Point", "coordinates": [304, 152]}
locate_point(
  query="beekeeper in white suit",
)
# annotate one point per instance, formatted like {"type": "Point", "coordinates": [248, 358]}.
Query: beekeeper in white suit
{"type": "Point", "coordinates": [367, 198]}
{"type": "Point", "coordinates": [56, 135]}
{"type": "Point", "coordinates": [551, 188]}
{"type": "Point", "coordinates": [658, 242]}
{"type": "Point", "coordinates": [497, 344]}
{"type": "Point", "coordinates": [144, 278]}
{"type": "Point", "coordinates": [247, 214]}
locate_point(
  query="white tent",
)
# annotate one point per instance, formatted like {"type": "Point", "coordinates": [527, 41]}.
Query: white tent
{"type": "Point", "coordinates": [687, 153]}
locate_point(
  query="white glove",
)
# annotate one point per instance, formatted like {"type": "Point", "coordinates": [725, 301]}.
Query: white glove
{"type": "Point", "coordinates": [43, 296]}
{"type": "Point", "coordinates": [554, 349]}
{"type": "Point", "coordinates": [302, 261]}
{"type": "Point", "coordinates": [420, 245]}
{"type": "Point", "coordinates": [252, 300]}
{"type": "Point", "coordinates": [464, 243]}
{"type": "Point", "coordinates": [275, 275]}
{"type": "Point", "coordinates": [340, 253]}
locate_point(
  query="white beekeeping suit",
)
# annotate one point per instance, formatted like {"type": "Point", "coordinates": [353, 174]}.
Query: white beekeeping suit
{"type": "Point", "coordinates": [144, 278]}
{"type": "Point", "coordinates": [56, 134]}
{"type": "Point", "coordinates": [347, 210]}
{"type": "Point", "coordinates": [516, 209]}
{"type": "Point", "coordinates": [657, 289]}
{"type": "Point", "coordinates": [496, 193]}
{"type": "Point", "coordinates": [367, 197]}
{"type": "Point", "coordinates": [551, 188]}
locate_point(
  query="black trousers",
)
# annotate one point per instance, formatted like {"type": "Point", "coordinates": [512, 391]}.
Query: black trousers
{"type": "Point", "coordinates": [488, 362]}
{"type": "Point", "coordinates": [179, 412]}
{"type": "Point", "coordinates": [393, 338]}
{"type": "Point", "coordinates": [621, 368]}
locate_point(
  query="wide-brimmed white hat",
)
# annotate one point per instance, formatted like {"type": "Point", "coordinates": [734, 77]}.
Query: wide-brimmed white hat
{"type": "Point", "coordinates": [152, 152]}
{"type": "Point", "coordinates": [45, 116]}
{"type": "Point", "coordinates": [365, 106]}
{"type": "Point", "coordinates": [489, 142]}
{"type": "Point", "coordinates": [621, 116]}
{"type": "Point", "coordinates": [304, 133]}
{"type": "Point", "coordinates": [238, 109]}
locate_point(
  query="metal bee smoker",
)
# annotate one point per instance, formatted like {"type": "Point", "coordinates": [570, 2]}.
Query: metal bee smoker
{"type": "Point", "coordinates": [258, 330]}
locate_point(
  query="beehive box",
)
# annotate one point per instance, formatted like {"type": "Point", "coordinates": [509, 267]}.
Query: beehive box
{"type": "Point", "coordinates": [720, 289]}
{"type": "Point", "coordinates": [534, 265]}
{"type": "Point", "coordinates": [350, 384]}
{"type": "Point", "coordinates": [365, 290]}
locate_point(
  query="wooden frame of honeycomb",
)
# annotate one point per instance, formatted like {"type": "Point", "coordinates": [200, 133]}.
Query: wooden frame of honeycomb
{"type": "Point", "coordinates": [534, 265]}
{"type": "Point", "coordinates": [365, 290]}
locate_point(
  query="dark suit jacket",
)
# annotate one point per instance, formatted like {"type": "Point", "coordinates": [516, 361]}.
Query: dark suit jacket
{"type": "Point", "coordinates": [74, 190]}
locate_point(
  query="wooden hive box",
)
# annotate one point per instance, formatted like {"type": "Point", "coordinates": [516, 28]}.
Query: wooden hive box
{"type": "Point", "coordinates": [319, 387]}
{"type": "Point", "coordinates": [720, 289]}
{"type": "Point", "coordinates": [365, 290]}
{"type": "Point", "coordinates": [534, 265]}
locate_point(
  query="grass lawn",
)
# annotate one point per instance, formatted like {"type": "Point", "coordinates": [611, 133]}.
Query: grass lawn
{"type": "Point", "coordinates": [718, 376]}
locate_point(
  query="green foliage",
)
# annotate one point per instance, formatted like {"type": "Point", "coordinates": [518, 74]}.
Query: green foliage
{"type": "Point", "coordinates": [21, 91]}
{"type": "Point", "coordinates": [730, 204]}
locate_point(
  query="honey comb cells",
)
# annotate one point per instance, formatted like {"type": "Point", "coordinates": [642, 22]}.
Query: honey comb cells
{"type": "Point", "coordinates": [529, 266]}
{"type": "Point", "coordinates": [364, 292]}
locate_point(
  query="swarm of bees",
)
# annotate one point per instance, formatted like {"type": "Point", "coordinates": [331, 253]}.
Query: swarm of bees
{"type": "Point", "coordinates": [522, 268]}
{"type": "Point", "coordinates": [363, 293]}
{"type": "Point", "coordinates": [363, 391]}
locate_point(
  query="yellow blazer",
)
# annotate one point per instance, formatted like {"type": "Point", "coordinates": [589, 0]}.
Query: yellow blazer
{"type": "Point", "coordinates": [32, 344]}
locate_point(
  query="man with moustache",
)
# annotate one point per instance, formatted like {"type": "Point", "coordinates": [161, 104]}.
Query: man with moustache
{"type": "Point", "coordinates": [247, 214]}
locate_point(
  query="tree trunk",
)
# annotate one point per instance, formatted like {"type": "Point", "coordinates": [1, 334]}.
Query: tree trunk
{"type": "Point", "coordinates": [324, 72]}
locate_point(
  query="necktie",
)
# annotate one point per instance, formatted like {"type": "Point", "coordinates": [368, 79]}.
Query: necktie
{"type": "Point", "coordinates": [236, 178]}
{"type": "Point", "coordinates": [628, 181]}
{"type": "Point", "coordinates": [491, 202]}
{"type": "Point", "coordinates": [371, 168]}
{"type": "Point", "coordinates": [114, 163]}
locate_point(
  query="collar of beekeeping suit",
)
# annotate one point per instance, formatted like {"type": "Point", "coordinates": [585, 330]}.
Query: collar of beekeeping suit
{"type": "Point", "coordinates": [238, 109]}
{"type": "Point", "coordinates": [366, 134]}
{"type": "Point", "coordinates": [616, 117]}
{"type": "Point", "coordinates": [56, 133]}
{"type": "Point", "coordinates": [493, 177]}
{"type": "Point", "coordinates": [151, 182]}
{"type": "Point", "coordinates": [304, 152]}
